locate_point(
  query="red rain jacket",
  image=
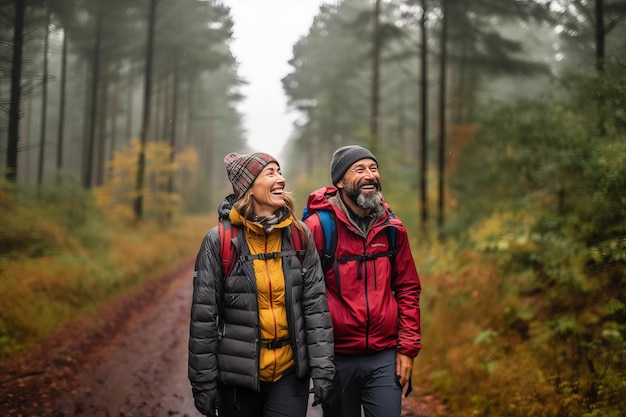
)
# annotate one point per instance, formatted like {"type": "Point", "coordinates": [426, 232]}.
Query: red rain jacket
{"type": "Point", "coordinates": [373, 305]}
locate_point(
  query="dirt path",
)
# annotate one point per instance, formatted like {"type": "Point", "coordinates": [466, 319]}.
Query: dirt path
{"type": "Point", "coordinates": [130, 359]}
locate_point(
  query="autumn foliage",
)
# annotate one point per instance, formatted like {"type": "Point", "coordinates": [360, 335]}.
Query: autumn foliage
{"type": "Point", "coordinates": [117, 195]}
{"type": "Point", "coordinates": [524, 301]}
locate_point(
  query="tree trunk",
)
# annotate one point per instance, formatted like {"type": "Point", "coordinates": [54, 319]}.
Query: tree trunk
{"type": "Point", "coordinates": [156, 130]}
{"type": "Point", "coordinates": [129, 104]}
{"type": "Point", "coordinates": [210, 147]}
{"type": "Point", "coordinates": [25, 145]}
{"type": "Point", "coordinates": [310, 141]}
{"type": "Point", "coordinates": [174, 114]}
{"type": "Point", "coordinates": [44, 104]}
{"type": "Point", "coordinates": [95, 82]}
{"type": "Point", "coordinates": [442, 114]}
{"type": "Point", "coordinates": [141, 160]}
{"type": "Point", "coordinates": [423, 168]}
{"type": "Point", "coordinates": [61, 124]}
{"type": "Point", "coordinates": [101, 136]}
{"type": "Point", "coordinates": [16, 79]}
{"type": "Point", "coordinates": [113, 118]}
{"type": "Point", "coordinates": [86, 122]}
{"type": "Point", "coordinates": [600, 56]}
{"type": "Point", "coordinates": [401, 126]}
{"type": "Point", "coordinates": [189, 135]}
{"type": "Point", "coordinates": [167, 111]}
{"type": "Point", "coordinates": [600, 41]}
{"type": "Point", "coordinates": [375, 86]}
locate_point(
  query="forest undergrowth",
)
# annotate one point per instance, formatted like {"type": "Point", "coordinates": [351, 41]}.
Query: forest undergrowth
{"type": "Point", "coordinates": [62, 257]}
{"type": "Point", "coordinates": [524, 289]}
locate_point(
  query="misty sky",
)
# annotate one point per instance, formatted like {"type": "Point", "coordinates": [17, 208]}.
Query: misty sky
{"type": "Point", "coordinates": [264, 34]}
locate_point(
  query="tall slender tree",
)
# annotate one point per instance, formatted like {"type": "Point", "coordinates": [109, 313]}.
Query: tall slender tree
{"type": "Point", "coordinates": [600, 36]}
{"type": "Point", "coordinates": [129, 103]}
{"type": "Point", "coordinates": [95, 83]}
{"type": "Point", "coordinates": [173, 125]}
{"type": "Point", "coordinates": [423, 148]}
{"type": "Point", "coordinates": [442, 115]}
{"type": "Point", "coordinates": [44, 101]}
{"type": "Point", "coordinates": [16, 92]}
{"type": "Point", "coordinates": [62, 87]}
{"type": "Point", "coordinates": [375, 82]}
{"type": "Point", "coordinates": [587, 29]}
{"type": "Point", "coordinates": [145, 123]}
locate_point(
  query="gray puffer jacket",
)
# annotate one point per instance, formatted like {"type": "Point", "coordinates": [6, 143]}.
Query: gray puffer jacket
{"type": "Point", "coordinates": [232, 357]}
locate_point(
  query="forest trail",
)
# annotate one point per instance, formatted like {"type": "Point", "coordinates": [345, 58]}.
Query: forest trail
{"type": "Point", "coordinates": [128, 359]}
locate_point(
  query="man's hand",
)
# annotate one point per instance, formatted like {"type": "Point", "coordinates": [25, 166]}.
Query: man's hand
{"type": "Point", "coordinates": [404, 366]}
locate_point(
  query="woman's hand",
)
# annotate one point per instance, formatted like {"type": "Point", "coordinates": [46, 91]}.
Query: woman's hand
{"type": "Point", "coordinates": [322, 388]}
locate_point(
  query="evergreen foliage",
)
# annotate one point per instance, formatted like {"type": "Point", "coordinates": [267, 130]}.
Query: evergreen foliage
{"type": "Point", "coordinates": [195, 87]}
{"type": "Point", "coordinates": [544, 206]}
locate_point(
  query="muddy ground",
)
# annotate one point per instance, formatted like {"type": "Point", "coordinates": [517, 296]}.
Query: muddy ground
{"type": "Point", "coordinates": [128, 359]}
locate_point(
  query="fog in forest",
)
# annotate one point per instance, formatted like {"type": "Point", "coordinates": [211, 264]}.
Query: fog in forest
{"type": "Point", "coordinates": [499, 129]}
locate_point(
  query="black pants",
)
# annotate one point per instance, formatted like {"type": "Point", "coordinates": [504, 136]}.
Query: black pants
{"type": "Point", "coordinates": [368, 381]}
{"type": "Point", "coordinates": [287, 397]}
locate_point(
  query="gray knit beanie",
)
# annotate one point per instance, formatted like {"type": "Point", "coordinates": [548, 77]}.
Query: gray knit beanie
{"type": "Point", "coordinates": [344, 157]}
{"type": "Point", "coordinates": [242, 169]}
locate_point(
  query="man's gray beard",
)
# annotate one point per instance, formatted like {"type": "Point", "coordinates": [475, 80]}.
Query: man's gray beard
{"type": "Point", "coordinates": [368, 201]}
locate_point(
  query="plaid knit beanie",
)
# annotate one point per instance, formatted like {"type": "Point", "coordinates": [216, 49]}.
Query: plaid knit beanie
{"type": "Point", "coordinates": [344, 157]}
{"type": "Point", "coordinates": [242, 169]}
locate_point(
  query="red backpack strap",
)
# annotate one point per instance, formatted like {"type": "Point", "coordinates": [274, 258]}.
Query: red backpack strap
{"type": "Point", "coordinates": [297, 242]}
{"type": "Point", "coordinates": [227, 233]}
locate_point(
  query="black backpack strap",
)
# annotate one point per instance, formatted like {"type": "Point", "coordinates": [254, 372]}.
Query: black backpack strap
{"type": "Point", "coordinates": [391, 232]}
{"type": "Point", "coordinates": [269, 255]}
{"type": "Point", "coordinates": [391, 237]}
{"type": "Point", "coordinates": [296, 248]}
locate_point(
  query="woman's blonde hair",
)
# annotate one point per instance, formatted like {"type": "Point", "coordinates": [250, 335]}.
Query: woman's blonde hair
{"type": "Point", "coordinates": [245, 207]}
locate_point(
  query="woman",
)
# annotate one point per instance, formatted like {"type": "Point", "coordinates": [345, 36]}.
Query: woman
{"type": "Point", "coordinates": [258, 334]}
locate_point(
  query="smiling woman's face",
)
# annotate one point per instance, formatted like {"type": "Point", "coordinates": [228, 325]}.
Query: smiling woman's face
{"type": "Point", "coordinates": [267, 191]}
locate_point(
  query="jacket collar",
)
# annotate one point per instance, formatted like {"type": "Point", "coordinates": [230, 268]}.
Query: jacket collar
{"type": "Point", "coordinates": [253, 227]}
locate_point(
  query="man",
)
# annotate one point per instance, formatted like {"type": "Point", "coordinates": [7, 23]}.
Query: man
{"type": "Point", "coordinates": [373, 289]}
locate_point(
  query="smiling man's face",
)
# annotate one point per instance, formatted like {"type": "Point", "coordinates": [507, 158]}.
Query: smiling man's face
{"type": "Point", "coordinates": [361, 183]}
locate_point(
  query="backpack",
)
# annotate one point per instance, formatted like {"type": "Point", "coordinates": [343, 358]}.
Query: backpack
{"type": "Point", "coordinates": [329, 231]}
{"type": "Point", "coordinates": [230, 244]}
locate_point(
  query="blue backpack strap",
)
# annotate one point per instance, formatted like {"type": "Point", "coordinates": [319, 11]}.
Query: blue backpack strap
{"type": "Point", "coordinates": [329, 231]}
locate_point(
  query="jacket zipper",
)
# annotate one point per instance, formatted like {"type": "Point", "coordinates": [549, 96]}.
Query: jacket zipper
{"type": "Point", "coordinates": [363, 265]}
{"type": "Point", "coordinates": [271, 300]}
{"type": "Point", "coordinates": [293, 336]}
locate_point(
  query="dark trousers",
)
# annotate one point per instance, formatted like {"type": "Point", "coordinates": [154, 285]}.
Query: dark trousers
{"type": "Point", "coordinates": [287, 397]}
{"type": "Point", "coordinates": [367, 380]}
